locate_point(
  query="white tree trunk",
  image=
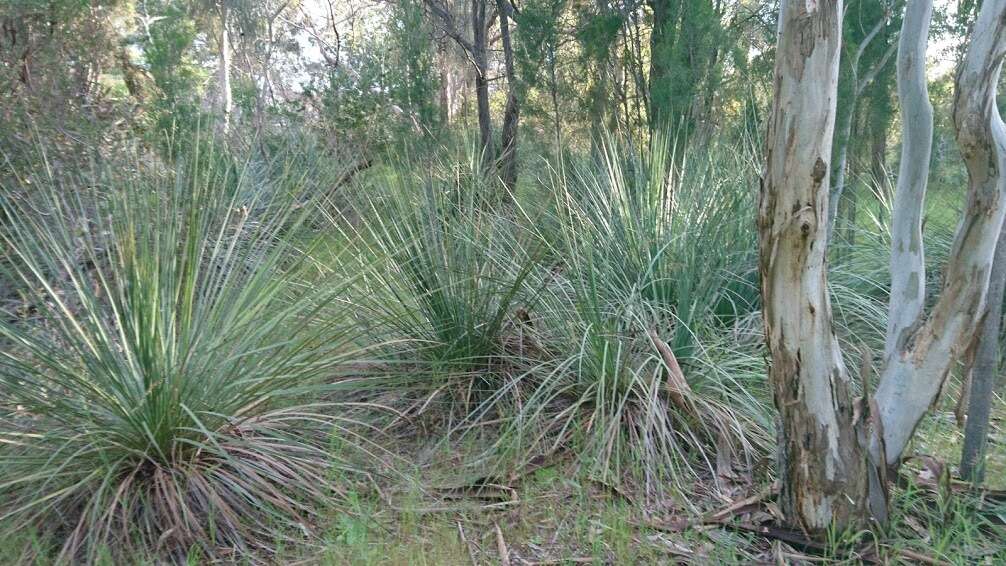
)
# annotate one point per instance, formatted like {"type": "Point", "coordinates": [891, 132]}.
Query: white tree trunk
{"type": "Point", "coordinates": [908, 268]}
{"type": "Point", "coordinates": [226, 100]}
{"type": "Point", "coordinates": [829, 478]}
{"type": "Point", "coordinates": [845, 128]}
{"type": "Point", "coordinates": [842, 158]}
{"type": "Point", "coordinates": [916, 368]}
{"type": "Point", "coordinates": [823, 469]}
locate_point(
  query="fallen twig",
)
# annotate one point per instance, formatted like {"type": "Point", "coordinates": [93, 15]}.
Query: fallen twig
{"type": "Point", "coordinates": [468, 545]}
{"type": "Point", "coordinates": [677, 386]}
{"type": "Point", "coordinates": [715, 518]}
{"type": "Point", "coordinates": [501, 546]}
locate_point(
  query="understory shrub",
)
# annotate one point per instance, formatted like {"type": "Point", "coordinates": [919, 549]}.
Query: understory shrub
{"type": "Point", "coordinates": [441, 274]}
{"type": "Point", "coordinates": [159, 391]}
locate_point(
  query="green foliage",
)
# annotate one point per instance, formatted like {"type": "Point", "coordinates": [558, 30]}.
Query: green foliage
{"type": "Point", "coordinates": [598, 34]}
{"type": "Point", "coordinates": [413, 84]}
{"type": "Point", "coordinates": [178, 77]}
{"type": "Point", "coordinates": [51, 54]}
{"type": "Point", "coordinates": [441, 270]}
{"type": "Point", "coordinates": [684, 49]}
{"type": "Point", "coordinates": [536, 33]}
{"type": "Point", "coordinates": [636, 229]}
{"type": "Point", "coordinates": [160, 380]}
{"type": "Point", "coordinates": [390, 92]}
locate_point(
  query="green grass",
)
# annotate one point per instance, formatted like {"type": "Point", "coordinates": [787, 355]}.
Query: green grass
{"type": "Point", "coordinates": [441, 272]}
{"type": "Point", "coordinates": [556, 513]}
{"type": "Point", "coordinates": [158, 394]}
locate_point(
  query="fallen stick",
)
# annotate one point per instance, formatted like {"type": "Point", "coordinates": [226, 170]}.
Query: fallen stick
{"type": "Point", "coordinates": [501, 546]}
{"type": "Point", "coordinates": [716, 518]}
{"type": "Point", "coordinates": [468, 545]}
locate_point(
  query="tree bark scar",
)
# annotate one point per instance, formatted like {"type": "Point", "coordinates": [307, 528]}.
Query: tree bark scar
{"type": "Point", "coordinates": [820, 170]}
{"type": "Point", "coordinates": [808, 37]}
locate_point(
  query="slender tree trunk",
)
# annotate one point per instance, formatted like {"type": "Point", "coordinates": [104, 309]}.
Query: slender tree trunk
{"type": "Point", "coordinates": [683, 53]}
{"type": "Point", "coordinates": [822, 465]}
{"type": "Point", "coordinates": [848, 212]}
{"type": "Point", "coordinates": [985, 372]}
{"type": "Point", "coordinates": [598, 94]}
{"type": "Point", "coordinates": [226, 101]}
{"type": "Point", "coordinates": [920, 355]}
{"type": "Point", "coordinates": [841, 164]}
{"type": "Point", "coordinates": [908, 266]}
{"type": "Point", "coordinates": [453, 74]}
{"type": "Point", "coordinates": [878, 164]}
{"type": "Point", "coordinates": [878, 157]}
{"type": "Point", "coordinates": [844, 132]}
{"type": "Point", "coordinates": [661, 42]}
{"type": "Point", "coordinates": [481, 60]}
{"type": "Point", "coordinates": [553, 85]}
{"type": "Point", "coordinates": [511, 114]}
{"type": "Point", "coordinates": [445, 84]}
{"type": "Point", "coordinates": [642, 94]}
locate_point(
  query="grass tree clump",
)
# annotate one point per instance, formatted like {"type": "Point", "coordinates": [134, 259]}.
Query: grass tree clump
{"type": "Point", "coordinates": [647, 228]}
{"type": "Point", "coordinates": [153, 392]}
{"type": "Point", "coordinates": [631, 325]}
{"type": "Point", "coordinates": [442, 273]}
{"type": "Point", "coordinates": [614, 392]}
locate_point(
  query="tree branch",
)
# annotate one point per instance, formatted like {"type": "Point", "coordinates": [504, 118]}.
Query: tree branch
{"type": "Point", "coordinates": [871, 75]}
{"type": "Point", "coordinates": [449, 25]}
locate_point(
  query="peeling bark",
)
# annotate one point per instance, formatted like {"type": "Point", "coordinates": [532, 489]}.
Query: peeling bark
{"type": "Point", "coordinates": [920, 355]}
{"type": "Point", "coordinates": [822, 463]}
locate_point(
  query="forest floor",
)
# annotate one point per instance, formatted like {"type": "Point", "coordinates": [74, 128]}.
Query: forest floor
{"type": "Point", "coordinates": [439, 512]}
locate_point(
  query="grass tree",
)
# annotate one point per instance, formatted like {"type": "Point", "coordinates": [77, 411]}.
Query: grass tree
{"type": "Point", "coordinates": [159, 398]}
{"type": "Point", "coordinates": [836, 450]}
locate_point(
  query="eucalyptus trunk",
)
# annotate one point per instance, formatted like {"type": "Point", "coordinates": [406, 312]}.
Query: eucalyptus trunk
{"type": "Point", "coordinates": [984, 373]}
{"type": "Point", "coordinates": [823, 466]}
{"type": "Point", "coordinates": [480, 58]}
{"type": "Point", "coordinates": [836, 455]}
{"type": "Point", "coordinates": [920, 351]}
{"type": "Point", "coordinates": [226, 98]}
{"type": "Point", "coordinates": [511, 113]}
